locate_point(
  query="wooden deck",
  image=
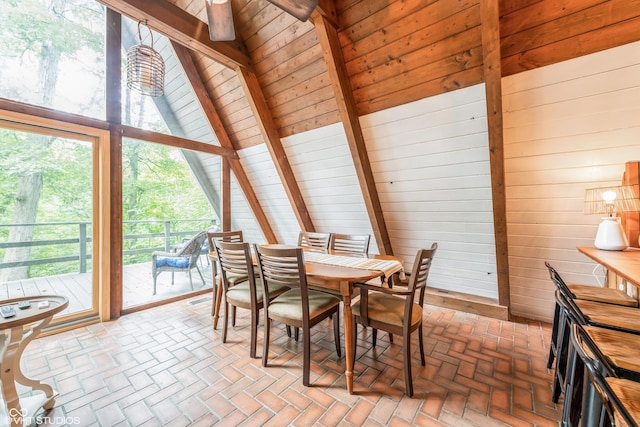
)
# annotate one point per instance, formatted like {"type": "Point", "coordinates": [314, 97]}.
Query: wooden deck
{"type": "Point", "coordinates": [137, 281]}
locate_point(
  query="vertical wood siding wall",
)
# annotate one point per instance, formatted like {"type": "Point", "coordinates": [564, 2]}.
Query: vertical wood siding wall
{"type": "Point", "coordinates": [431, 164]}
{"type": "Point", "coordinates": [568, 127]}
{"type": "Point", "coordinates": [257, 163]}
{"type": "Point", "coordinates": [324, 169]}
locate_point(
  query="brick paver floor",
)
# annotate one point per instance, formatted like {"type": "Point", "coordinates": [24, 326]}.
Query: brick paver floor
{"type": "Point", "coordinates": [167, 367]}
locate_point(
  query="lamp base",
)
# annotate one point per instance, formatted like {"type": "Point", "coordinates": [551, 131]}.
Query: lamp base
{"type": "Point", "coordinates": [611, 236]}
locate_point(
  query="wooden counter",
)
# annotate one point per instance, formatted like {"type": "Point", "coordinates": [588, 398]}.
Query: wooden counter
{"type": "Point", "coordinates": [623, 267]}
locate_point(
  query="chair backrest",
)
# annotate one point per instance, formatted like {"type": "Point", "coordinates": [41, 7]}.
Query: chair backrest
{"type": "Point", "coordinates": [193, 248]}
{"type": "Point", "coordinates": [235, 259]}
{"type": "Point", "coordinates": [558, 282]}
{"type": "Point", "coordinates": [283, 265]}
{"type": "Point", "coordinates": [597, 370]}
{"type": "Point", "coordinates": [225, 236]}
{"type": "Point", "coordinates": [316, 241]}
{"type": "Point", "coordinates": [420, 273]}
{"type": "Point", "coordinates": [353, 243]}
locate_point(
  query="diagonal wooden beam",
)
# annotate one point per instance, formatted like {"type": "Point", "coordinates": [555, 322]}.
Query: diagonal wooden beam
{"type": "Point", "coordinates": [489, 16]}
{"type": "Point", "coordinates": [328, 37]}
{"type": "Point", "coordinates": [256, 99]}
{"type": "Point", "coordinates": [327, 8]}
{"type": "Point", "coordinates": [178, 25]}
{"type": "Point", "coordinates": [192, 73]}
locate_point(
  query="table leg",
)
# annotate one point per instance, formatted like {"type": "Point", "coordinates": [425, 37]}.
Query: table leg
{"type": "Point", "coordinates": [348, 341]}
{"type": "Point", "coordinates": [12, 346]}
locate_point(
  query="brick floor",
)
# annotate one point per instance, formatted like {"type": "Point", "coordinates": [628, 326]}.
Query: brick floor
{"type": "Point", "coordinates": [167, 367]}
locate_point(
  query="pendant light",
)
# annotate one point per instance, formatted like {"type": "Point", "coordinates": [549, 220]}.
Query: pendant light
{"type": "Point", "coordinates": [145, 68]}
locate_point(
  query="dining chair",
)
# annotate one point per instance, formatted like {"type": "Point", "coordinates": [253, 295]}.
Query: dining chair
{"type": "Point", "coordinates": [184, 259]}
{"type": "Point", "coordinates": [395, 310]}
{"type": "Point", "coordinates": [350, 243]}
{"type": "Point", "coordinates": [581, 292]}
{"type": "Point", "coordinates": [298, 307]}
{"type": "Point", "coordinates": [617, 402]}
{"type": "Point", "coordinates": [240, 286]}
{"type": "Point", "coordinates": [314, 241]}
{"type": "Point", "coordinates": [225, 236]}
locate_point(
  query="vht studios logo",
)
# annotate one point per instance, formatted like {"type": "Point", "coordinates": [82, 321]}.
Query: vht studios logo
{"type": "Point", "coordinates": [21, 417]}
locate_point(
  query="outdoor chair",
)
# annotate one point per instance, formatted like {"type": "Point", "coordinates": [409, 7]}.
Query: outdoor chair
{"type": "Point", "coordinates": [299, 307]}
{"type": "Point", "coordinates": [395, 310]}
{"type": "Point", "coordinates": [185, 259]}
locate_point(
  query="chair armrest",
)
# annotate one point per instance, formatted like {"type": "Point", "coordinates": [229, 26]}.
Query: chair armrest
{"type": "Point", "coordinates": [391, 291]}
{"type": "Point", "coordinates": [162, 253]}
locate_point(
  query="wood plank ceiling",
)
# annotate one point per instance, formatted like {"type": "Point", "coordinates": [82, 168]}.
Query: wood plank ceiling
{"type": "Point", "coordinates": [354, 57]}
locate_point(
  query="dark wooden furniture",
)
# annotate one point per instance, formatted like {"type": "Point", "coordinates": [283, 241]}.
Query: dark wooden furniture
{"type": "Point", "coordinates": [299, 306]}
{"type": "Point", "coordinates": [397, 310]}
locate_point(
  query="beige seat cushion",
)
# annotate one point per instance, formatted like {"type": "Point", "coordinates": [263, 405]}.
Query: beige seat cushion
{"type": "Point", "coordinates": [388, 309]}
{"type": "Point", "coordinates": [289, 304]}
{"type": "Point", "coordinates": [240, 294]}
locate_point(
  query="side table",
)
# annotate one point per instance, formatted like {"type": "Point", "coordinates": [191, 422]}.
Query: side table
{"type": "Point", "coordinates": [13, 341]}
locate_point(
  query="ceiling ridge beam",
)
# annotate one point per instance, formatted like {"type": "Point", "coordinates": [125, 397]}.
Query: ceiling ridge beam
{"type": "Point", "coordinates": [210, 112]}
{"type": "Point", "coordinates": [332, 52]}
{"type": "Point", "coordinates": [270, 133]}
{"type": "Point", "coordinates": [182, 27]}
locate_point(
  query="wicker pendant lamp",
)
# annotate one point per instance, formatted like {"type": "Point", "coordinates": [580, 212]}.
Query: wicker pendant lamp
{"type": "Point", "coordinates": [145, 68]}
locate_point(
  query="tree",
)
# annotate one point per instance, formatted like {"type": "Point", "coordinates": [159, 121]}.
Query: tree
{"type": "Point", "coordinates": [46, 31]}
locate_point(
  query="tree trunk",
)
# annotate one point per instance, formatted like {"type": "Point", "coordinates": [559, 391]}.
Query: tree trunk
{"type": "Point", "coordinates": [30, 185]}
{"type": "Point", "coordinates": [26, 207]}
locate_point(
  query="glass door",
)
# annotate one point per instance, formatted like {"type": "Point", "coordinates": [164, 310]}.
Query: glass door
{"type": "Point", "coordinates": [47, 228]}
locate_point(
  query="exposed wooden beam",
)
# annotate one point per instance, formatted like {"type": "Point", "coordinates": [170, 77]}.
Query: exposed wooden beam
{"type": "Point", "coordinates": [114, 115]}
{"type": "Point", "coordinates": [192, 73]}
{"type": "Point", "coordinates": [50, 113]}
{"type": "Point", "coordinates": [332, 52]}
{"type": "Point", "coordinates": [225, 211]}
{"type": "Point", "coordinates": [176, 141]}
{"type": "Point", "coordinates": [168, 19]}
{"type": "Point", "coordinates": [327, 8]}
{"type": "Point", "coordinates": [269, 131]}
{"type": "Point", "coordinates": [489, 16]}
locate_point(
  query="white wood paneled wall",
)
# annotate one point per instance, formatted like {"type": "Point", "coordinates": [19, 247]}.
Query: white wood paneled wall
{"type": "Point", "coordinates": [262, 173]}
{"type": "Point", "coordinates": [322, 164]}
{"type": "Point", "coordinates": [430, 160]}
{"type": "Point", "coordinates": [568, 127]}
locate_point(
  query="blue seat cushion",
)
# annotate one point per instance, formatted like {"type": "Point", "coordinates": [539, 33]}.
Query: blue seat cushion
{"type": "Point", "coordinates": [177, 261]}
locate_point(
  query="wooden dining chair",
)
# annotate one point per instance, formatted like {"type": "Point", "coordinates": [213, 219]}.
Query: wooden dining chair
{"type": "Point", "coordinates": [350, 243]}
{"type": "Point", "coordinates": [314, 241]}
{"type": "Point", "coordinates": [617, 403]}
{"type": "Point", "coordinates": [225, 236]}
{"type": "Point", "coordinates": [298, 307]}
{"type": "Point", "coordinates": [240, 286]}
{"type": "Point", "coordinates": [395, 310]}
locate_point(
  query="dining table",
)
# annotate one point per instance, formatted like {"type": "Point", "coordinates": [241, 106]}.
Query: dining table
{"type": "Point", "coordinates": [623, 267]}
{"type": "Point", "coordinates": [336, 272]}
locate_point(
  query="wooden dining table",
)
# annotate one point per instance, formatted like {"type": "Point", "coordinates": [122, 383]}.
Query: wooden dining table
{"type": "Point", "coordinates": [623, 267]}
{"type": "Point", "coordinates": [335, 279]}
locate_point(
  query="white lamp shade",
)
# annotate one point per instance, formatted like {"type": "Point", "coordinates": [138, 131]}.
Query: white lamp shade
{"type": "Point", "coordinates": [611, 236]}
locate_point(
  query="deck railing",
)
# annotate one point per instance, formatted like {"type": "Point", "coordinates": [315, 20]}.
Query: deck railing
{"type": "Point", "coordinates": [173, 231]}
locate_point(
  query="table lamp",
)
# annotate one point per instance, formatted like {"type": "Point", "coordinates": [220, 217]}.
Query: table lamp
{"type": "Point", "coordinates": [611, 200]}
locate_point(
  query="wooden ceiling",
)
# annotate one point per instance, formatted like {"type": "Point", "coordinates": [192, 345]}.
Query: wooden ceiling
{"type": "Point", "coordinates": [394, 52]}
